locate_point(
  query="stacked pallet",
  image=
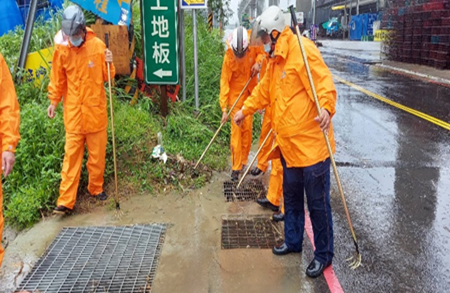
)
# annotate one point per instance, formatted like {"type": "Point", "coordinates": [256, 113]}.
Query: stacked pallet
{"type": "Point", "coordinates": [421, 32]}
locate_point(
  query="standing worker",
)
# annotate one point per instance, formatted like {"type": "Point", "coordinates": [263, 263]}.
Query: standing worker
{"type": "Point", "coordinates": [299, 139]}
{"type": "Point", "coordinates": [275, 193]}
{"type": "Point", "coordinates": [9, 131]}
{"type": "Point", "coordinates": [78, 73]}
{"type": "Point", "coordinates": [239, 65]}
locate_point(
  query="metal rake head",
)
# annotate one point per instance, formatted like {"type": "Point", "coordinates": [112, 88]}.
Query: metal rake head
{"type": "Point", "coordinates": [118, 214]}
{"type": "Point", "coordinates": [355, 261]}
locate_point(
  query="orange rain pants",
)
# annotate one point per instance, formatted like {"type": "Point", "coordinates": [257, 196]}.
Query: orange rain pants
{"type": "Point", "coordinates": [263, 162]}
{"type": "Point", "coordinates": [240, 141]}
{"type": "Point", "coordinates": [235, 75]}
{"type": "Point", "coordinates": [275, 192]}
{"type": "Point", "coordinates": [73, 158]}
{"type": "Point", "coordinates": [9, 126]}
{"type": "Point", "coordinates": [2, 223]}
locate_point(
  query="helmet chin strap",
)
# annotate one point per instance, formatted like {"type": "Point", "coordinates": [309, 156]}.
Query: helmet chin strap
{"type": "Point", "coordinates": [274, 42]}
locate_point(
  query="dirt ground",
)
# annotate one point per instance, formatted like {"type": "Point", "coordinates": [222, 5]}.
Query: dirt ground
{"type": "Point", "coordinates": [192, 259]}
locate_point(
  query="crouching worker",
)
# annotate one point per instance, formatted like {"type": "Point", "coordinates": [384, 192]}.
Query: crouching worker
{"type": "Point", "coordinates": [78, 74]}
{"type": "Point", "coordinates": [9, 131]}
{"type": "Point", "coordinates": [239, 65]}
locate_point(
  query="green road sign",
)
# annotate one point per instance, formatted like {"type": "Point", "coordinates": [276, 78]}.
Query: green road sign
{"type": "Point", "coordinates": [160, 36]}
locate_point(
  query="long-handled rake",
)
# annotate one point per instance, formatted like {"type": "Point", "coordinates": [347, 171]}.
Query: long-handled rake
{"type": "Point", "coordinates": [355, 260]}
{"type": "Point", "coordinates": [223, 123]}
{"type": "Point", "coordinates": [118, 213]}
{"type": "Point", "coordinates": [254, 159]}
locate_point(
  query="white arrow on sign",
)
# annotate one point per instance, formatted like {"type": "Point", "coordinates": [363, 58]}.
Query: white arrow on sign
{"type": "Point", "coordinates": [162, 73]}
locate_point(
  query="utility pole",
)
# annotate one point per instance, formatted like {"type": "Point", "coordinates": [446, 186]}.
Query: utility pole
{"type": "Point", "coordinates": [345, 18]}
{"type": "Point", "coordinates": [194, 20]}
{"type": "Point", "coordinates": [314, 13]}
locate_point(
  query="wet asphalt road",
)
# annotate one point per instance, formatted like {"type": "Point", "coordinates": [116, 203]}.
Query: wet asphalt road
{"type": "Point", "coordinates": [395, 172]}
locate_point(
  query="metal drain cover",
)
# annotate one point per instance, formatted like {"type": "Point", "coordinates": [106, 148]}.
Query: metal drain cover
{"type": "Point", "coordinates": [99, 259]}
{"type": "Point", "coordinates": [250, 232]}
{"type": "Point", "coordinates": [250, 190]}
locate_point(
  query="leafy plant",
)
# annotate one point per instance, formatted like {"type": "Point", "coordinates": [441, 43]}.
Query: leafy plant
{"type": "Point", "coordinates": [31, 190]}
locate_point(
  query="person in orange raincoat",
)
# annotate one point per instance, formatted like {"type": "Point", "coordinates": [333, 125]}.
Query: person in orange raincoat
{"type": "Point", "coordinates": [275, 192]}
{"type": "Point", "coordinates": [9, 131]}
{"type": "Point", "coordinates": [240, 64]}
{"type": "Point", "coordinates": [299, 141]}
{"type": "Point", "coordinates": [274, 195]}
{"type": "Point", "coordinates": [78, 74]}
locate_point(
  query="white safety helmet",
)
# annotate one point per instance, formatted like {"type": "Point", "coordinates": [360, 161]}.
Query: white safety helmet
{"type": "Point", "coordinates": [239, 42]}
{"type": "Point", "coordinates": [272, 19]}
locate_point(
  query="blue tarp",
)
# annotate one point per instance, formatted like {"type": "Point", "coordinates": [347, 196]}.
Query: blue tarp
{"type": "Point", "coordinates": [362, 25]}
{"type": "Point", "coordinates": [14, 13]}
{"type": "Point", "coordinates": [10, 16]}
{"type": "Point", "coordinates": [356, 27]}
{"type": "Point", "coordinates": [365, 24]}
{"type": "Point", "coordinates": [44, 9]}
{"type": "Point", "coordinates": [114, 11]}
{"type": "Point", "coordinates": [371, 17]}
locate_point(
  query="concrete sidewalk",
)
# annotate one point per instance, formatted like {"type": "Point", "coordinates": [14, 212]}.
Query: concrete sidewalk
{"type": "Point", "coordinates": [365, 52]}
{"type": "Point", "coordinates": [370, 53]}
{"type": "Point", "coordinates": [418, 71]}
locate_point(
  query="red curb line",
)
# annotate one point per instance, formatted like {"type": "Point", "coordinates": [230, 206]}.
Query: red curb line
{"type": "Point", "coordinates": [328, 273]}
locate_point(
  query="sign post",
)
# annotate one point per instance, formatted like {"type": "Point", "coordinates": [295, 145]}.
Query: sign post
{"type": "Point", "coordinates": [195, 4]}
{"type": "Point", "coordinates": [160, 39]}
{"type": "Point", "coordinates": [182, 52]}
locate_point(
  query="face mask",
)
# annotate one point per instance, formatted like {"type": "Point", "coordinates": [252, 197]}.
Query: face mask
{"type": "Point", "coordinates": [76, 42]}
{"type": "Point", "coordinates": [239, 60]}
{"type": "Point", "coordinates": [267, 47]}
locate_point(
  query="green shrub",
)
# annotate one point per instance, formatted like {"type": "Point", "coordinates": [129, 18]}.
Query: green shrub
{"type": "Point", "coordinates": [33, 185]}
{"type": "Point", "coordinates": [31, 190]}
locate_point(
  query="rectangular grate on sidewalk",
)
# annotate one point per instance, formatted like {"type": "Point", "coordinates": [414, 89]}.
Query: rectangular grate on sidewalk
{"type": "Point", "coordinates": [249, 190]}
{"type": "Point", "coordinates": [250, 232]}
{"type": "Point", "coordinates": [99, 259]}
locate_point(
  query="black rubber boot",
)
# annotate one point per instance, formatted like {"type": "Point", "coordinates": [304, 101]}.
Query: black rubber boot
{"type": "Point", "coordinates": [256, 172]}
{"type": "Point", "coordinates": [62, 210]}
{"type": "Point", "coordinates": [235, 175]}
{"type": "Point", "coordinates": [101, 196]}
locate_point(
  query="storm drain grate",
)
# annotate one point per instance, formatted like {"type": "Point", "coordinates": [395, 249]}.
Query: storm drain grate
{"type": "Point", "coordinates": [248, 191]}
{"type": "Point", "coordinates": [255, 232]}
{"type": "Point", "coordinates": [99, 259]}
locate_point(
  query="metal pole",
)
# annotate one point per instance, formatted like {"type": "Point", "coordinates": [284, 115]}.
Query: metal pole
{"type": "Point", "coordinates": [164, 108]}
{"type": "Point", "coordinates": [357, 7]}
{"type": "Point", "coordinates": [27, 35]}
{"type": "Point", "coordinates": [182, 55]}
{"type": "Point", "coordinates": [346, 22]}
{"type": "Point", "coordinates": [194, 19]}
{"type": "Point", "coordinates": [314, 13]}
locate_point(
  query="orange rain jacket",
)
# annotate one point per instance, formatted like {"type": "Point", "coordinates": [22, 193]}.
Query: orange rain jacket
{"type": "Point", "coordinates": [9, 125]}
{"type": "Point", "coordinates": [9, 110]}
{"type": "Point", "coordinates": [286, 87]}
{"type": "Point", "coordinates": [82, 71]}
{"type": "Point", "coordinates": [235, 74]}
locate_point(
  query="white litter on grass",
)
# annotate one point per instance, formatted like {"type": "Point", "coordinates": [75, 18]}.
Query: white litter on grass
{"type": "Point", "coordinates": [158, 153]}
{"type": "Point", "coordinates": [163, 157]}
